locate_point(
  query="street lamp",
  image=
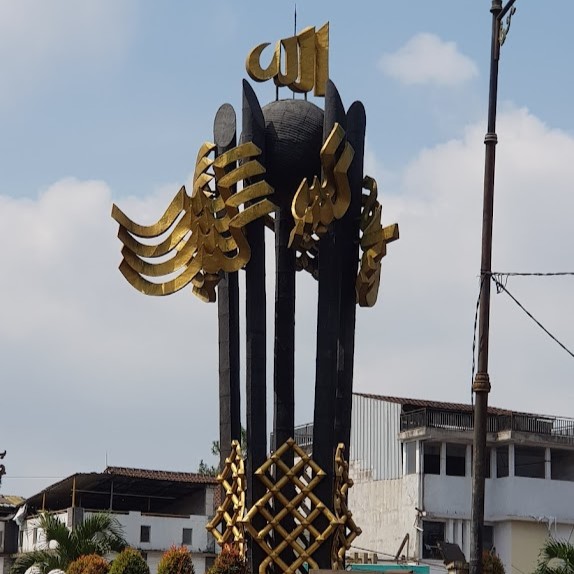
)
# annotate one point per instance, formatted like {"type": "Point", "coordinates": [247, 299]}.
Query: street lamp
{"type": "Point", "coordinates": [481, 383]}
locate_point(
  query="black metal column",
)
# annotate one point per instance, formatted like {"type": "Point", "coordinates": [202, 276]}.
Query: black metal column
{"type": "Point", "coordinates": [224, 131]}
{"type": "Point", "coordinates": [254, 130]}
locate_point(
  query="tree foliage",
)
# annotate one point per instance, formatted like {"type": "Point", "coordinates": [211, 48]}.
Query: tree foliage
{"type": "Point", "coordinates": [491, 563]}
{"type": "Point", "coordinates": [129, 561]}
{"type": "Point", "coordinates": [99, 533]}
{"type": "Point", "coordinates": [213, 470]}
{"type": "Point", "coordinates": [556, 557]}
{"type": "Point", "coordinates": [89, 564]}
{"type": "Point", "coordinates": [229, 561]}
{"type": "Point", "coordinates": [176, 560]}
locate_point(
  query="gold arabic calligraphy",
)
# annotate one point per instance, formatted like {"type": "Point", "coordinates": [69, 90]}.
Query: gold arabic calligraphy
{"type": "Point", "coordinates": [306, 61]}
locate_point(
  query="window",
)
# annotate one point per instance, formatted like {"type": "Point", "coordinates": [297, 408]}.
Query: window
{"type": "Point", "coordinates": [1, 540]}
{"type": "Point", "coordinates": [562, 464]}
{"type": "Point", "coordinates": [21, 539]}
{"type": "Point", "coordinates": [410, 454]}
{"type": "Point", "coordinates": [455, 459]}
{"type": "Point", "coordinates": [502, 461]}
{"type": "Point", "coordinates": [209, 561]}
{"type": "Point", "coordinates": [186, 536]}
{"type": "Point", "coordinates": [433, 533]}
{"type": "Point", "coordinates": [34, 536]}
{"type": "Point", "coordinates": [488, 537]}
{"type": "Point", "coordinates": [145, 533]}
{"type": "Point", "coordinates": [529, 461]}
{"type": "Point", "coordinates": [432, 458]}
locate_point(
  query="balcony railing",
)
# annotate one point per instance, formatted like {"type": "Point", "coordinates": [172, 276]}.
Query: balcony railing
{"type": "Point", "coordinates": [464, 421]}
{"type": "Point", "coordinates": [303, 436]}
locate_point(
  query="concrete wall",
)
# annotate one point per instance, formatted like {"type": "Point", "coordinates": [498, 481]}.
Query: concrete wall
{"type": "Point", "coordinates": [527, 539]}
{"type": "Point", "coordinates": [385, 511]}
{"type": "Point", "coordinates": [164, 531]}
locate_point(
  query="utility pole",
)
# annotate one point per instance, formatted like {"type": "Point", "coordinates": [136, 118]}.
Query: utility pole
{"type": "Point", "coordinates": [481, 383]}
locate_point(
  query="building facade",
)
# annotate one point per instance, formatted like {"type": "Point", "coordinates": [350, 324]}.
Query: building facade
{"type": "Point", "coordinates": [411, 463]}
{"type": "Point", "coordinates": [156, 509]}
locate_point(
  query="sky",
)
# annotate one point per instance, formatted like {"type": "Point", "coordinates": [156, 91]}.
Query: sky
{"type": "Point", "coordinates": [108, 101]}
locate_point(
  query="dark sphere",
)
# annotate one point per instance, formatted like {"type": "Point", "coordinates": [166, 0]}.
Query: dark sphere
{"type": "Point", "coordinates": [293, 139]}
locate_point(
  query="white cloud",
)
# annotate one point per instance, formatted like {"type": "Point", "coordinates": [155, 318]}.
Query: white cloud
{"type": "Point", "coordinates": [417, 341]}
{"type": "Point", "coordinates": [426, 59]}
{"type": "Point", "coordinates": [109, 370]}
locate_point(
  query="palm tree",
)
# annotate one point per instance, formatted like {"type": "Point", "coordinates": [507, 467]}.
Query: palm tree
{"type": "Point", "coordinates": [556, 557]}
{"type": "Point", "coordinates": [99, 533]}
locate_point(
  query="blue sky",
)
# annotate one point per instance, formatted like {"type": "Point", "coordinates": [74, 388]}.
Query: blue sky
{"type": "Point", "coordinates": [109, 100]}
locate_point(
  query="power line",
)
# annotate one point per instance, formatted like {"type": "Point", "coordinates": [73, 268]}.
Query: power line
{"type": "Point", "coordinates": [502, 287]}
{"type": "Point", "coordinates": [532, 274]}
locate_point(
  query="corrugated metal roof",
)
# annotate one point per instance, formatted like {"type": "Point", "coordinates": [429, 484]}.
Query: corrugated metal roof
{"type": "Point", "coordinates": [160, 475]}
{"type": "Point", "coordinates": [420, 403]}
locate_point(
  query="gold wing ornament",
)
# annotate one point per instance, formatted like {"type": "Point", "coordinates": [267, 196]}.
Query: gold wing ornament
{"type": "Point", "coordinates": [199, 235]}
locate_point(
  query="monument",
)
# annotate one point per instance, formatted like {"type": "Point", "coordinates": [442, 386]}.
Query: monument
{"type": "Point", "coordinates": [298, 171]}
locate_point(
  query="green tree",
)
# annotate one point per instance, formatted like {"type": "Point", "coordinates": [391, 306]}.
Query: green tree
{"type": "Point", "coordinates": [229, 561]}
{"type": "Point", "coordinates": [176, 560]}
{"type": "Point", "coordinates": [129, 561]}
{"type": "Point", "coordinates": [556, 557]}
{"type": "Point", "coordinates": [99, 533]}
{"type": "Point", "coordinates": [491, 563]}
{"type": "Point", "coordinates": [89, 564]}
{"type": "Point", "coordinates": [213, 470]}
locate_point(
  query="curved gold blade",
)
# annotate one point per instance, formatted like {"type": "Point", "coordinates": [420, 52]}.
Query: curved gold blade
{"type": "Point", "coordinates": [177, 205]}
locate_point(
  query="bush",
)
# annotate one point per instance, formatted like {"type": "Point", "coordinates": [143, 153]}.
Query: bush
{"type": "Point", "coordinates": [89, 564]}
{"type": "Point", "coordinates": [176, 560]}
{"type": "Point", "coordinates": [129, 561]}
{"type": "Point", "coordinates": [491, 563]}
{"type": "Point", "coordinates": [229, 561]}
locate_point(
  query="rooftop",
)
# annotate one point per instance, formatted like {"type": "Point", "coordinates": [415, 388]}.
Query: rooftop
{"type": "Point", "coordinates": [120, 489]}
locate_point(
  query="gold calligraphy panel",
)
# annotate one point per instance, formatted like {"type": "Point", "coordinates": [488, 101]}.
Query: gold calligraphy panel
{"type": "Point", "coordinates": [299, 62]}
{"type": "Point", "coordinates": [316, 206]}
{"type": "Point", "coordinates": [374, 239]}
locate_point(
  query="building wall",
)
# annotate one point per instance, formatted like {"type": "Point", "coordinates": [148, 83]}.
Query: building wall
{"type": "Point", "coordinates": [527, 539]}
{"type": "Point", "coordinates": [375, 448]}
{"type": "Point", "coordinates": [385, 511]}
{"type": "Point", "coordinates": [165, 531]}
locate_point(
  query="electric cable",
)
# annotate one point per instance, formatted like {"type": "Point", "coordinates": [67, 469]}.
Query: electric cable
{"type": "Point", "coordinates": [502, 287]}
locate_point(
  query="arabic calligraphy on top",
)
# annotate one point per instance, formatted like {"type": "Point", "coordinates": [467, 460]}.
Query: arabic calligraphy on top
{"type": "Point", "coordinates": [299, 62]}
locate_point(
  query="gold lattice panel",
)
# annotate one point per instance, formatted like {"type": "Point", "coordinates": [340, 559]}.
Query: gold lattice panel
{"type": "Point", "coordinates": [347, 530]}
{"type": "Point", "coordinates": [227, 526]}
{"type": "Point", "coordinates": [304, 509]}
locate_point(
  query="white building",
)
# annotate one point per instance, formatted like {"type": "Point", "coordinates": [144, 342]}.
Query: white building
{"type": "Point", "coordinates": [8, 530]}
{"type": "Point", "coordinates": [157, 509]}
{"type": "Point", "coordinates": [411, 461]}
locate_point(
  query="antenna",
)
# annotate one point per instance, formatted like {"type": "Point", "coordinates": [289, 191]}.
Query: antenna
{"type": "Point", "coordinates": [295, 29]}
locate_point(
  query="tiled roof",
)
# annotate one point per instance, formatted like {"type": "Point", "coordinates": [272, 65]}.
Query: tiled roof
{"type": "Point", "coordinates": [160, 475]}
{"type": "Point", "coordinates": [10, 501]}
{"type": "Point", "coordinates": [434, 404]}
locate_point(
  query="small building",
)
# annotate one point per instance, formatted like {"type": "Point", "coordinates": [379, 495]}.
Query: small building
{"type": "Point", "coordinates": [157, 509]}
{"type": "Point", "coordinates": [8, 530]}
{"type": "Point", "coordinates": [411, 461]}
